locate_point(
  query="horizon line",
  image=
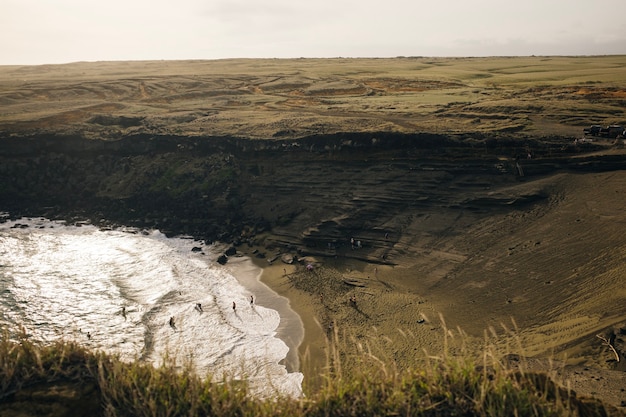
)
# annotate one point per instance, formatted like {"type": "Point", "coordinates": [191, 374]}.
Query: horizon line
{"type": "Point", "coordinates": [316, 58]}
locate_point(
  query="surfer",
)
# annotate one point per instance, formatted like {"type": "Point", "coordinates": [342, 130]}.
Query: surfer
{"type": "Point", "coordinates": [234, 307]}
{"type": "Point", "coordinates": [199, 307]}
{"type": "Point", "coordinates": [252, 301]}
{"type": "Point", "coordinates": [172, 322]}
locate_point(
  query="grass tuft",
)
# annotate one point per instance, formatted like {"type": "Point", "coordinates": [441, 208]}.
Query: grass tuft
{"type": "Point", "coordinates": [443, 384]}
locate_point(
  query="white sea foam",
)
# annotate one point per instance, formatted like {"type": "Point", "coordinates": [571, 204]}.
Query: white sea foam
{"type": "Point", "coordinates": [66, 281]}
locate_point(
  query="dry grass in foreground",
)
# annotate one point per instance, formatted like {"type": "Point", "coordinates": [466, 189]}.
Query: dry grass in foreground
{"type": "Point", "coordinates": [65, 379]}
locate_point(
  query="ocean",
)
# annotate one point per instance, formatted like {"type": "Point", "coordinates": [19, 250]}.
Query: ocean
{"type": "Point", "coordinates": [144, 296]}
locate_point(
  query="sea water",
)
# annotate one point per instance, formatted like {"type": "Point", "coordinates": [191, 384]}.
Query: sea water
{"type": "Point", "coordinates": [116, 290]}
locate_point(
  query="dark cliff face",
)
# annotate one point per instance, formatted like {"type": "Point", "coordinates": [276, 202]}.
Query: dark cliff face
{"type": "Point", "coordinates": [313, 194]}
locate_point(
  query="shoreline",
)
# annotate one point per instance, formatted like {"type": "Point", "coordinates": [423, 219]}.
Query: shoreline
{"type": "Point", "coordinates": [291, 329]}
{"type": "Point", "coordinates": [390, 320]}
{"type": "Point", "coordinates": [397, 320]}
{"type": "Point", "coordinates": [312, 349]}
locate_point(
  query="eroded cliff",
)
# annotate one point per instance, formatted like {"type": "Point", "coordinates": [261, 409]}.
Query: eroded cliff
{"type": "Point", "coordinates": [313, 194]}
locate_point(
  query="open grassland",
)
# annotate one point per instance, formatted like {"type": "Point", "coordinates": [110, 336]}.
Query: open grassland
{"type": "Point", "coordinates": [280, 98]}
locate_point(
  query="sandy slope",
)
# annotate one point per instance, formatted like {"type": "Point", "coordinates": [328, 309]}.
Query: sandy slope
{"type": "Point", "coordinates": [540, 283]}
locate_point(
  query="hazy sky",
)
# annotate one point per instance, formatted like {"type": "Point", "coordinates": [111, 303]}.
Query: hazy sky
{"type": "Point", "coordinates": [59, 31]}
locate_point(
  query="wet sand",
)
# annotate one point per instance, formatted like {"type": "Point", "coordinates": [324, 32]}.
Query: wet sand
{"type": "Point", "coordinates": [290, 330]}
{"type": "Point", "coordinates": [312, 349]}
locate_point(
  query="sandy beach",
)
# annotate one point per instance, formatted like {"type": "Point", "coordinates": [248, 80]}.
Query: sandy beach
{"type": "Point", "coordinates": [393, 323]}
{"type": "Point", "coordinates": [291, 330]}
{"type": "Point", "coordinates": [357, 306]}
{"type": "Point", "coordinates": [486, 288]}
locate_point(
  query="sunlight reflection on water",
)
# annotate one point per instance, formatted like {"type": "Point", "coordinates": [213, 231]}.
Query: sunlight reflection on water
{"type": "Point", "coordinates": [65, 282]}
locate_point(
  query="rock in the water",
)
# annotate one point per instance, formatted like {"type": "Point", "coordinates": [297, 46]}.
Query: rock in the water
{"type": "Point", "coordinates": [222, 259]}
{"type": "Point", "coordinates": [287, 258]}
